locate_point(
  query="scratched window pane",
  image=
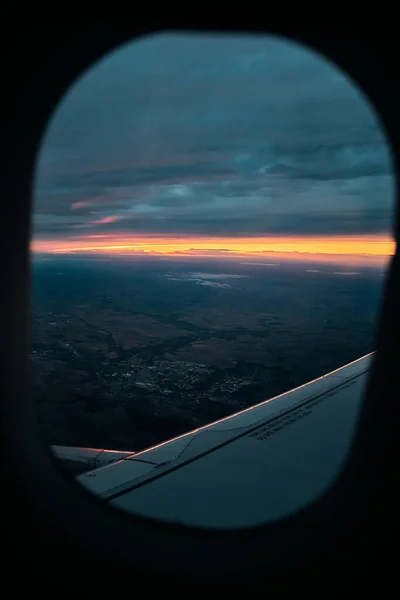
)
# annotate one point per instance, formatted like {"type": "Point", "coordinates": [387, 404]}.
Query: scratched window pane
{"type": "Point", "coordinates": [211, 229]}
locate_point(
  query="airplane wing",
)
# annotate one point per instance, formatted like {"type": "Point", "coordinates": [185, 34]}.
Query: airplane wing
{"type": "Point", "coordinates": [255, 466]}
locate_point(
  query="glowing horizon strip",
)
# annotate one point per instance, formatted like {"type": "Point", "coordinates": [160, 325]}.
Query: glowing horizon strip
{"type": "Point", "coordinates": [369, 245]}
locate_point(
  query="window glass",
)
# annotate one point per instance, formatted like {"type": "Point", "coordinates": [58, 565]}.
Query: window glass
{"type": "Point", "coordinates": [212, 227]}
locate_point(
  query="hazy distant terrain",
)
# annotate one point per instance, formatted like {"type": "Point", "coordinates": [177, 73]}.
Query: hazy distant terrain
{"type": "Point", "coordinates": [126, 353]}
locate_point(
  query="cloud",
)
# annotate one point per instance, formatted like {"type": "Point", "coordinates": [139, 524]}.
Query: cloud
{"type": "Point", "coordinates": [346, 273]}
{"type": "Point", "coordinates": [261, 264]}
{"type": "Point", "coordinates": [217, 280]}
{"type": "Point", "coordinates": [199, 275]}
{"type": "Point", "coordinates": [208, 135]}
{"type": "Point", "coordinates": [105, 220]}
{"type": "Point", "coordinates": [96, 201]}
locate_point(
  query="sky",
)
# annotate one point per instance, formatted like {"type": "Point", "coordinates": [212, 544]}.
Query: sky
{"type": "Point", "coordinates": [214, 145]}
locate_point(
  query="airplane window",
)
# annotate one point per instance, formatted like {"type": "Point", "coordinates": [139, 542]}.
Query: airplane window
{"type": "Point", "coordinates": [212, 227]}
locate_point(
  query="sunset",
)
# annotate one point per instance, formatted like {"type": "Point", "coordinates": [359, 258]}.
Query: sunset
{"type": "Point", "coordinates": [236, 162]}
{"type": "Point", "coordinates": [285, 246]}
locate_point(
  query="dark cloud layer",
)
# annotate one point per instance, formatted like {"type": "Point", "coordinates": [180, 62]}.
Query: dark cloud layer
{"type": "Point", "coordinates": [213, 135]}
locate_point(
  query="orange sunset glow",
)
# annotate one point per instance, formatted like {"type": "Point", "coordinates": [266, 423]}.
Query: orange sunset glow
{"type": "Point", "coordinates": [372, 245]}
